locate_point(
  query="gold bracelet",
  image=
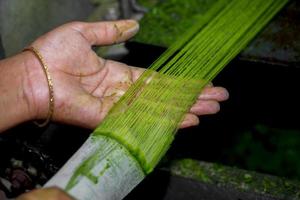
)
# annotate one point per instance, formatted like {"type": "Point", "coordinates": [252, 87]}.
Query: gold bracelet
{"type": "Point", "coordinates": [50, 86]}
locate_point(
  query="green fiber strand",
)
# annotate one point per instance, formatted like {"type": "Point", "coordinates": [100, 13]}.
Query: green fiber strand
{"type": "Point", "coordinates": [147, 117]}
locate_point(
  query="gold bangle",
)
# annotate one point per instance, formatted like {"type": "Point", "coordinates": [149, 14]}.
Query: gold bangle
{"type": "Point", "coordinates": [50, 86]}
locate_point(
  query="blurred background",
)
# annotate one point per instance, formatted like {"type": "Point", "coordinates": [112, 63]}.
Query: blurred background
{"type": "Point", "coordinates": [249, 150]}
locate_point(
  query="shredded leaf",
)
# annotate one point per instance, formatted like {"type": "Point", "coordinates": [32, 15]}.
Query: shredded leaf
{"type": "Point", "coordinates": [146, 118]}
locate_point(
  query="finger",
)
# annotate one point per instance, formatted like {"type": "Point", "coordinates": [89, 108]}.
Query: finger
{"type": "Point", "coordinates": [105, 33]}
{"type": "Point", "coordinates": [136, 72]}
{"type": "Point", "coordinates": [46, 194]}
{"type": "Point", "coordinates": [205, 107]}
{"type": "Point", "coordinates": [189, 120]}
{"type": "Point", "coordinates": [214, 93]}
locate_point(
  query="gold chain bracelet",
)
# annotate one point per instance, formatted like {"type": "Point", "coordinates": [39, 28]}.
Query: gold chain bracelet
{"type": "Point", "coordinates": [50, 86]}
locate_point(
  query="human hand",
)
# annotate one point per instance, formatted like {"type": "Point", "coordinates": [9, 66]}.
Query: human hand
{"type": "Point", "coordinates": [85, 85]}
{"type": "Point", "coordinates": [45, 194]}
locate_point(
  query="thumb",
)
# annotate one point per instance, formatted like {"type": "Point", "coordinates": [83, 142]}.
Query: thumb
{"type": "Point", "coordinates": [106, 33]}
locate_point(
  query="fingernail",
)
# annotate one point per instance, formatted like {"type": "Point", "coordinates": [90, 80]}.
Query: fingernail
{"type": "Point", "coordinates": [132, 26]}
{"type": "Point", "coordinates": [204, 96]}
{"type": "Point", "coordinates": [128, 28]}
{"type": "Point", "coordinates": [214, 108]}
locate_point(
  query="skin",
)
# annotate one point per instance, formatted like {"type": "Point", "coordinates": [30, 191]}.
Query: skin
{"type": "Point", "coordinates": [45, 194]}
{"type": "Point", "coordinates": [85, 85]}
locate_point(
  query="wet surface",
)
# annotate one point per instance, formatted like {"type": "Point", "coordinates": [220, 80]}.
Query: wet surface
{"type": "Point", "coordinates": [162, 186]}
{"type": "Point", "coordinates": [279, 42]}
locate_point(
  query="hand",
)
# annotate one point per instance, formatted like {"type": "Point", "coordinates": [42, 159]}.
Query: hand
{"type": "Point", "coordinates": [85, 85]}
{"type": "Point", "coordinates": [45, 194]}
{"type": "Point", "coordinates": [207, 103]}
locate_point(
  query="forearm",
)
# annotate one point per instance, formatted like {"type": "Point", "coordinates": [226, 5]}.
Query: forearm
{"type": "Point", "coordinates": [16, 102]}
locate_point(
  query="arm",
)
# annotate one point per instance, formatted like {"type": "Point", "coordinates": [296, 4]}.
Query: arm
{"type": "Point", "coordinates": [15, 102]}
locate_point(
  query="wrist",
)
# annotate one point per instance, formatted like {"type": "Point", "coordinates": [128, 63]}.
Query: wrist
{"type": "Point", "coordinates": [23, 90]}
{"type": "Point", "coordinates": [35, 86]}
